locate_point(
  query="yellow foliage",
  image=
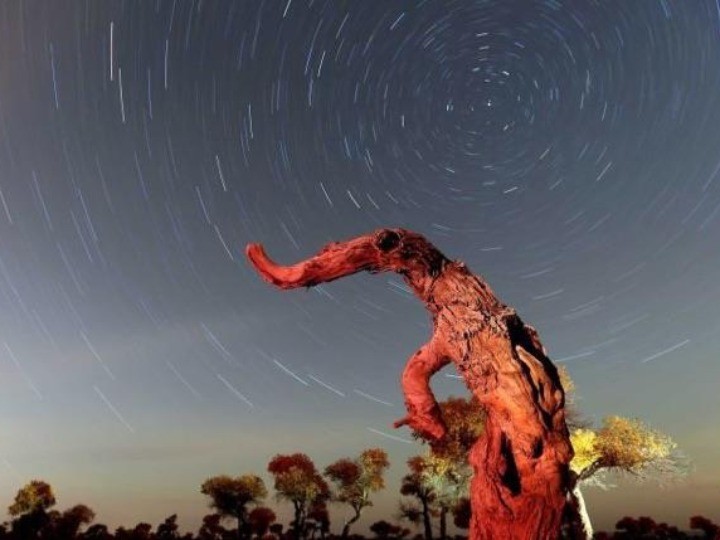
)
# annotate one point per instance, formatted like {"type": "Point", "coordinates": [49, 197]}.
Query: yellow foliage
{"type": "Point", "coordinates": [34, 496]}
{"type": "Point", "coordinates": [445, 477]}
{"type": "Point", "coordinates": [567, 383]}
{"type": "Point", "coordinates": [622, 444]}
{"type": "Point", "coordinates": [630, 445]}
{"type": "Point", "coordinates": [437, 465]}
{"type": "Point", "coordinates": [465, 422]}
{"type": "Point", "coordinates": [373, 463]}
{"type": "Point", "coordinates": [296, 485]}
{"type": "Point", "coordinates": [230, 495]}
{"type": "Point", "coordinates": [586, 452]}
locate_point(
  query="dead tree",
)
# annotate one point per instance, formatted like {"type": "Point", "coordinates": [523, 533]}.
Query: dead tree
{"type": "Point", "coordinates": [520, 463]}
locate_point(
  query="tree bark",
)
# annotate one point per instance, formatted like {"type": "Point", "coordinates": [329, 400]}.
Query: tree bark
{"type": "Point", "coordinates": [520, 462]}
{"type": "Point", "coordinates": [299, 521]}
{"type": "Point", "coordinates": [346, 527]}
{"type": "Point", "coordinates": [241, 519]}
{"type": "Point", "coordinates": [427, 524]}
{"type": "Point", "coordinates": [582, 526]}
{"type": "Point", "coordinates": [443, 523]}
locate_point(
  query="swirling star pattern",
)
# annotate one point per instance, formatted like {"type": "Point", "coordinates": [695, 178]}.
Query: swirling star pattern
{"type": "Point", "coordinates": [568, 151]}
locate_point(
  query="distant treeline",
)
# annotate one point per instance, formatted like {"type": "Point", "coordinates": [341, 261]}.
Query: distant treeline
{"type": "Point", "coordinates": [434, 490]}
{"type": "Point", "coordinates": [34, 518]}
{"type": "Point", "coordinates": [239, 512]}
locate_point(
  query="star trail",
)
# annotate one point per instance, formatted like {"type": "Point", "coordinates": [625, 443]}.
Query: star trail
{"type": "Point", "coordinates": [567, 151]}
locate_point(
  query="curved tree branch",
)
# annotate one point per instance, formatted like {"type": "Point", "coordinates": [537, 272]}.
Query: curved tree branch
{"type": "Point", "coordinates": [521, 461]}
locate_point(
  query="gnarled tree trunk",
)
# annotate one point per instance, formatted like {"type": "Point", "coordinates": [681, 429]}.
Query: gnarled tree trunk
{"type": "Point", "coordinates": [521, 461]}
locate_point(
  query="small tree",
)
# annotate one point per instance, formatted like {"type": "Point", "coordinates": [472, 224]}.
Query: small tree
{"type": "Point", "coordinates": [231, 496]}
{"type": "Point", "coordinates": [465, 422]}
{"type": "Point", "coordinates": [355, 480]}
{"type": "Point", "coordinates": [461, 513]}
{"type": "Point", "coordinates": [30, 508]}
{"type": "Point", "coordinates": [448, 481]}
{"type": "Point", "coordinates": [35, 496]}
{"type": "Point", "coordinates": [636, 528]}
{"type": "Point", "coordinates": [297, 481]}
{"type": "Point", "coordinates": [98, 531]}
{"type": "Point", "coordinates": [141, 531]}
{"type": "Point", "coordinates": [709, 529]}
{"type": "Point", "coordinates": [384, 530]}
{"type": "Point", "coordinates": [321, 518]}
{"type": "Point", "coordinates": [168, 529]}
{"type": "Point", "coordinates": [277, 530]}
{"type": "Point", "coordinates": [619, 445]}
{"type": "Point", "coordinates": [414, 484]}
{"type": "Point", "coordinates": [446, 471]}
{"type": "Point", "coordinates": [69, 523]}
{"type": "Point", "coordinates": [260, 520]}
{"type": "Point", "coordinates": [211, 528]}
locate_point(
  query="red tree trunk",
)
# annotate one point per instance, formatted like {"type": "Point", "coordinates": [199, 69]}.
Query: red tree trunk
{"type": "Point", "coordinates": [521, 461]}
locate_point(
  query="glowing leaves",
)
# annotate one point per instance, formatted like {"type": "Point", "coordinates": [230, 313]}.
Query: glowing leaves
{"type": "Point", "coordinates": [567, 383]}
{"type": "Point", "coordinates": [465, 422]}
{"type": "Point", "coordinates": [229, 496]}
{"type": "Point", "coordinates": [356, 479]}
{"type": "Point", "coordinates": [586, 453]}
{"type": "Point", "coordinates": [345, 473]}
{"type": "Point", "coordinates": [35, 496]}
{"type": "Point", "coordinates": [630, 445]}
{"type": "Point", "coordinates": [622, 444]}
{"type": "Point", "coordinates": [296, 479]}
{"type": "Point", "coordinates": [260, 519]}
{"type": "Point", "coordinates": [373, 463]}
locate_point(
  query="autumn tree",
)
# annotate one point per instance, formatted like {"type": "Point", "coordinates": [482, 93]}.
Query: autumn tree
{"type": "Point", "coordinates": [168, 529]}
{"type": "Point", "coordinates": [141, 531]}
{"type": "Point", "coordinates": [501, 358]}
{"type": "Point", "coordinates": [260, 519]}
{"type": "Point", "coordinates": [448, 480]}
{"type": "Point", "coordinates": [412, 513]}
{"type": "Point", "coordinates": [121, 533]}
{"type": "Point", "coordinates": [465, 421]}
{"type": "Point", "coordinates": [36, 496]}
{"type": "Point", "coordinates": [97, 531]}
{"type": "Point", "coordinates": [709, 529]}
{"type": "Point", "coordinates": [440, 485]}
{"type": "Point", "coordinates": [277, 530]}
{"type": "Point", "coordinates": [414, 485]}
{"type": "Point", "coordinates": [30, 508]}
{"type": "Point", "coordinates": [67, 524]}
{"type": "Point", "coordinates": [461, 513]}
{"type": "Point", "coordinates": [320, 517]}
{"type": "Point", "coordinates": [355, 480]}
{"type": "Point", "coordinates": [447, 471]}
{"type": "Point", "coordinates": [632, 528]}
{"type": "Point", "coordinates": [298, 481]}
{"type": "Point", "coordinates": [212, 529]}
{"type": "Point", "coordinates": [230, 496]}
{"type": "Point", "coordinates": [620, 445]}
{"type": "Point", "coordinates": [384, 530]}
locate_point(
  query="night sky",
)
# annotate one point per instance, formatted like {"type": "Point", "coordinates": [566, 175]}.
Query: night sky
{"type": "Point", "coordinates": [567, 151]}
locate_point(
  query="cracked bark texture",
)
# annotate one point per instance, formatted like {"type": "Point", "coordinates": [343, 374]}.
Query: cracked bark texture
{"type": "Point", "coordinates": [520, 463]}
